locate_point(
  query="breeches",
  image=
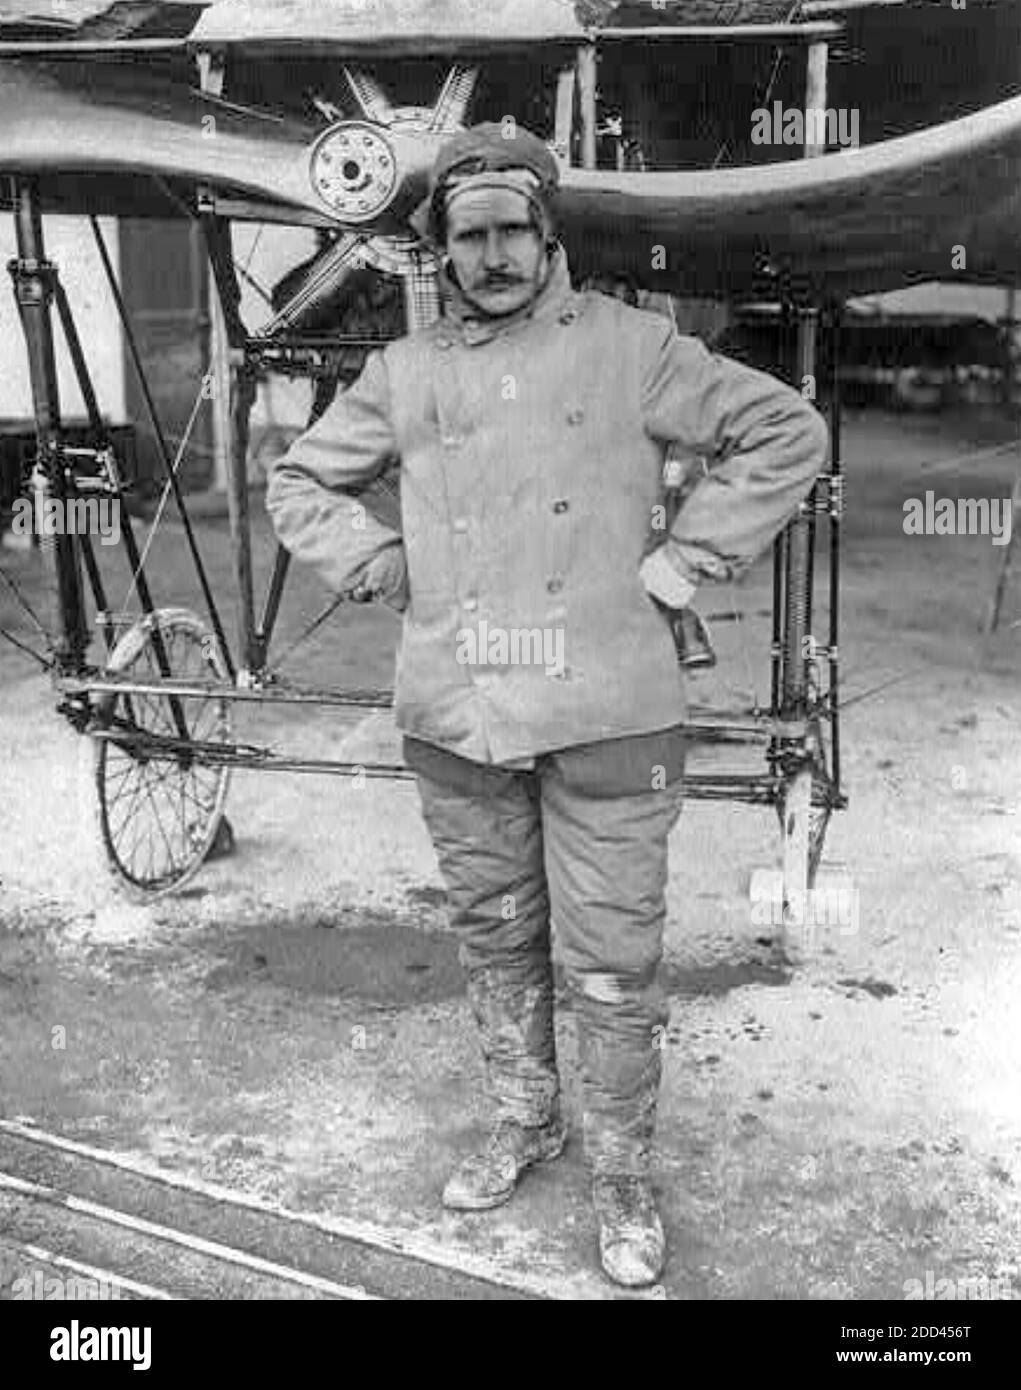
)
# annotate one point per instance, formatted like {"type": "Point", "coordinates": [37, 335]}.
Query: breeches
{"type": "Point", "coordinates": [580, 842]}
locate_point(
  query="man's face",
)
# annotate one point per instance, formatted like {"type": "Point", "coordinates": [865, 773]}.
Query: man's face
{"type": "Point", "coordinates": [498, 256]}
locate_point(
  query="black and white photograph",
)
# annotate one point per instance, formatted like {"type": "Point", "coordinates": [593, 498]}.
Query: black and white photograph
{"type": "Point", "coordinates": [510, 637]}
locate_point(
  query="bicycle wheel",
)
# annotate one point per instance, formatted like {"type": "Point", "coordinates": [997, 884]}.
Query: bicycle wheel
{"type": "Point", "coordinates": [161, 793]}
{"type": "Point", "coordinates": [820, 802]}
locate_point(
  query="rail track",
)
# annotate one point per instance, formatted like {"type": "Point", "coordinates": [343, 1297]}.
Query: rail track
{"type": "Point", "coordinates": [69, 1210]}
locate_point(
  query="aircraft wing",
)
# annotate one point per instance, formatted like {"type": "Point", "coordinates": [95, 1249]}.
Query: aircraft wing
{"type": "Point", "coordinates": [410, 26]}
{"type": "Point", "coordinates": [887, 214]}
{"type": "Point", "coordinates": [884, 215]}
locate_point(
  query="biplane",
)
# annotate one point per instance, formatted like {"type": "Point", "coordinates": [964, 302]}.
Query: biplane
{"type": "Point", "coordinates": [326, 115]}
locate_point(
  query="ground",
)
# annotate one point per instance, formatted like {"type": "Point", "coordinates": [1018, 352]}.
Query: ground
{"type": "Point", "coordinates": [293, 1026]}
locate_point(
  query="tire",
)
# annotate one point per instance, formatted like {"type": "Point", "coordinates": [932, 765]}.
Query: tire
{"type": "Point", "coordinates": [160, 810]}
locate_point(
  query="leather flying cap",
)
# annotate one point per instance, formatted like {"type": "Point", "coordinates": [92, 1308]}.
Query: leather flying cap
{"type": "Point", "coordinates": [490, 148]}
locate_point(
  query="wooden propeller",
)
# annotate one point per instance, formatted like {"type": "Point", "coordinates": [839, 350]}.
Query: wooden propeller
{"type": "Point", "coordinates": [59, 118]}
{"type": "Point", "coordinates": [861, 220]}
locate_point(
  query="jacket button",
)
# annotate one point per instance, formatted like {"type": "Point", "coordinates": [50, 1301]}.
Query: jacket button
{"type": "Point", "coordinates": [460, 525]}
{"type": "Point", "coordinates": [554, 585]}
{"type": "Point", "coordinates": [560, 506]}
{"type": "Point", "coordinates": [575, 417]}
{"type": "Point", "coordinates": [471, 603]}
{"type": "Point", "coordinates": [568, 317]}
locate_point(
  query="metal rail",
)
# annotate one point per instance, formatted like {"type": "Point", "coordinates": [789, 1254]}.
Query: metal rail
{"type": "Point", "coordinates": [332, 1256]}
{"type": "Point", "coordinates": [719, 727]}
{"type": "Point", "coordinates": [40, 1194]}
{"type": "Point", "coordinates": [222, 690]}
{"type": "Point", "coordinates": [148, 746]}
{"type": "Point", "coordinates": [754, 789]}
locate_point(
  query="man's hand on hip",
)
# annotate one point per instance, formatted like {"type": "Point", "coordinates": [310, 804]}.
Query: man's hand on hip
{"type": "Point", "coordinates": [664, 583]}
{"type": "Point", "coordinates": [385, 577]}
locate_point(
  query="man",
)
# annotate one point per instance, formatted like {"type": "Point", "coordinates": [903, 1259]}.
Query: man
{"type": "Point", "coordinates": [531, 424]}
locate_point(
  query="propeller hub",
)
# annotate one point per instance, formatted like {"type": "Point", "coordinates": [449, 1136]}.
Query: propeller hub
{"type": "Point", "coordinates": [353, 169]}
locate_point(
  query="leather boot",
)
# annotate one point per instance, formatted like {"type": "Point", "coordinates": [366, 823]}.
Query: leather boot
{"type": "Point", "coordinates": [488, 1177]}
{"type": "Point", "coordinates": [621, 1065]}
{"type": "Point", "coordinates": [513, 1008]}
{"type": "Point", "coordinates": [632, 1247]}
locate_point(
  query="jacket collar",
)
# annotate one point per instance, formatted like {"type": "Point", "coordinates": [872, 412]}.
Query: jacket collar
{"type": "Point", "coordinates": [473, 327]}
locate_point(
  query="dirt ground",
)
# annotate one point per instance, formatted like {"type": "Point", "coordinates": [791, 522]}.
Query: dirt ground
{"type": "Point", "coordinates": [293, 1024]}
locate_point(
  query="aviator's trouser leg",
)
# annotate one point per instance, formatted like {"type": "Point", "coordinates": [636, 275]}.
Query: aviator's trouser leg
{"type": "Point", "coordinates": [510, 845]}
{"type": "Point", "coordinates": [606, 861]}
{"type": "Point", "coordinates": [487, 832]}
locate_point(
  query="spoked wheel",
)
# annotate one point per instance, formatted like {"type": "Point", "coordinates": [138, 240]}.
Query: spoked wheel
{"type": "Point", "coordinates": [161, 796]}
{"type": "Point", "coordinates": [823, 795]}
{"type": "Point", "coordinates": [819, 811]}
{"type": "Point", "coordinates": [804, 806]}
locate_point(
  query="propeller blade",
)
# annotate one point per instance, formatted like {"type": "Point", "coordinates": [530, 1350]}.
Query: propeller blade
{"type": "Point", "coordinates": [63, 121]}
{"type": "Point", "coordinates": [71, 118]}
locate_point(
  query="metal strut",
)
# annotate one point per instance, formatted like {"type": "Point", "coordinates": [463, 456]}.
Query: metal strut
{"type": "Point", "coordinates": [836, 514]}
{"type": "Point", "coordinates": [38, 285]}
{"type": "Point", "coordinates": [33, 278]}
{"type": "Point", "coordinates": [164, 451]}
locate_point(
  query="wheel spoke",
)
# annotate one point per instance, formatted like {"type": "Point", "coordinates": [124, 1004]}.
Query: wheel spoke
{"type": "Point", "coordinates": [134, 794]}
{"type": "Point", "coordinates": [160, 802]}
{"type": "Point", "coordinates": [151, 791]}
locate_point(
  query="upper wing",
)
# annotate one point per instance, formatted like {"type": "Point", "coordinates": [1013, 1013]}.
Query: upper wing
{"type": "Point", "coordinates": [865, 219]}
{"type": "Point", "coordinates": [873, 218]}
{"type": "Point", "coordinates": [409, 26]}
